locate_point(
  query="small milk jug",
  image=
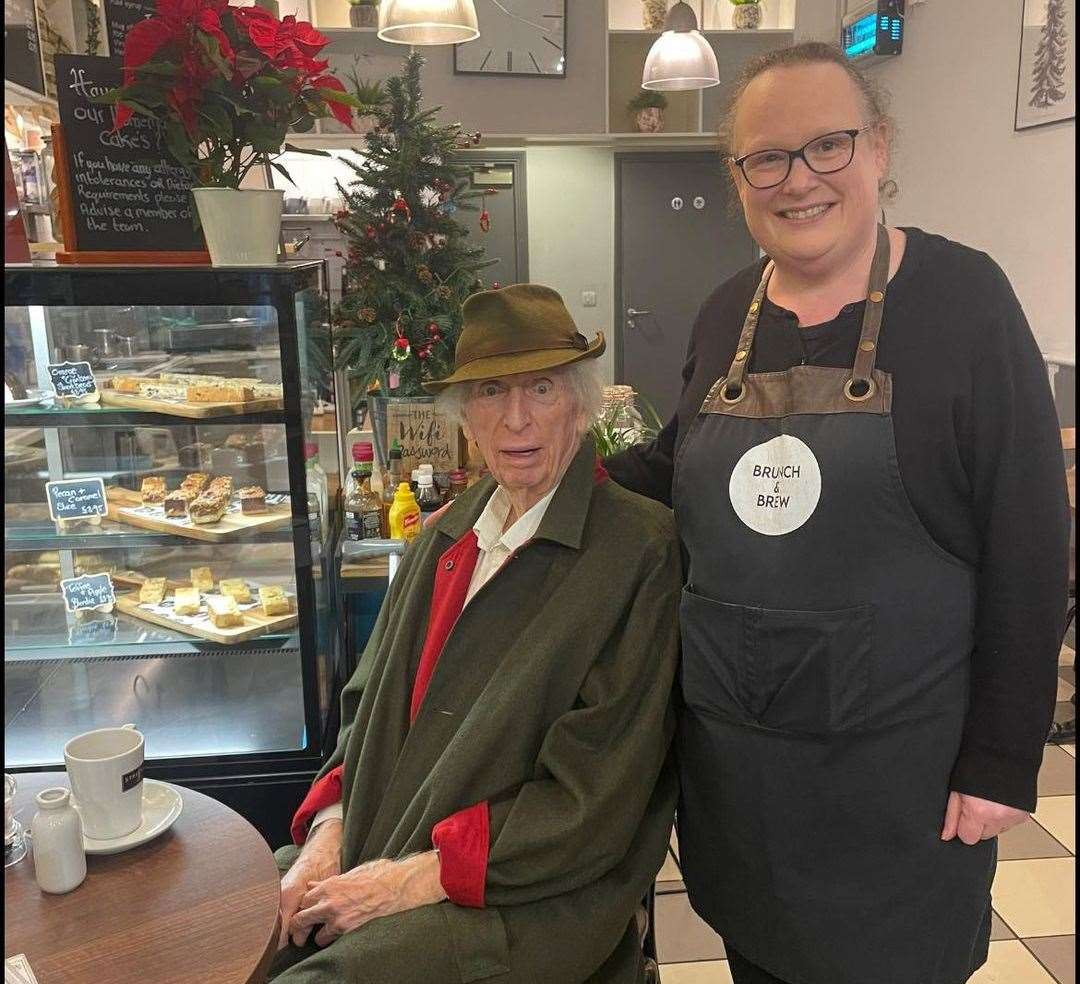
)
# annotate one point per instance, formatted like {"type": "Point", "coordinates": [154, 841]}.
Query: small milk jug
{"type": "Point", "coordinates": [57, 838]}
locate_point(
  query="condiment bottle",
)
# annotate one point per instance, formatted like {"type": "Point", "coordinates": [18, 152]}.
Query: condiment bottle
{"type": "Point", "coordinates": [428, 498]}
{"type": "Point", "coordinates": [404, 515]}
{"type": "Point", "coordinates": [57, 837]}
{"type": "Point", "coordinates": [391, 480]}
{"type": "Point", "coordinates": [363, 507]}
{"type": "Point", "coordinates": [459, 482]}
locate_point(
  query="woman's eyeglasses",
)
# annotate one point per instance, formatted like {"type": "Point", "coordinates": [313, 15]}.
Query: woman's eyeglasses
{"type": "Point", "coordinates": [823, 155]}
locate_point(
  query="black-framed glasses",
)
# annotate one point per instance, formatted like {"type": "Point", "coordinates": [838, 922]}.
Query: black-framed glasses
{"type": "Point", "coordinates": [826, 154]}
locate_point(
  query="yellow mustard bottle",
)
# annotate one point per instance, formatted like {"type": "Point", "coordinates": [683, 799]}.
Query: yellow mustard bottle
{"type": "Point", "coordinates": [404, 515]}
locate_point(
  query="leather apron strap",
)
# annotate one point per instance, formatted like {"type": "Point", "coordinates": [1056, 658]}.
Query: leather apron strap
{"type": "Point", "coordinates": [861, 384]}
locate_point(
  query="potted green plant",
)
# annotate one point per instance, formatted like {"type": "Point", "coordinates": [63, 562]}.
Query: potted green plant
{"type": "Point", "coordinates": [364, 13]}
{"type": "Point", "coordinates": [746, 15]}
{"type": "Point", "coordinates": [647, 108]}
{"type": "Point", "coordinates": [227, 83]}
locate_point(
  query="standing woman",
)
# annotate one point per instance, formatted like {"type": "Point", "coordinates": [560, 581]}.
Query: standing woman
{"type": "Point", "coordinates": [868, 483]}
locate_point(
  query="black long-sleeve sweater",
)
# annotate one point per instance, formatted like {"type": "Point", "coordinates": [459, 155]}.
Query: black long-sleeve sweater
{"type": "Point", "coordinates": [980, 455]}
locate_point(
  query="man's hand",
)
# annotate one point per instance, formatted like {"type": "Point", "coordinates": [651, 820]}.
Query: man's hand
{"type": "Point", "coordinates": [379, 888]}
{"type": "Point", "coordinates": [320, 858]}
{"type": "Point", "coordinates": [973, 819]}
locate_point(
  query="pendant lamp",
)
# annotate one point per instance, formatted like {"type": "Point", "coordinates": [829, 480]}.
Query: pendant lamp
{"type": "Point", "coordinates": [681, 58]}
{"type": "Point", "coordinates": [426, 22]}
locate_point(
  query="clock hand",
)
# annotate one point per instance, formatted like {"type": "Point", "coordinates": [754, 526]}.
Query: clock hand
{"type": "Point", "coordinates": [510, 13]}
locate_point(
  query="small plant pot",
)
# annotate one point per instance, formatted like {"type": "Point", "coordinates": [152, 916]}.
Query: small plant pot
{"type": "Point", "coordinates": [746, 16]}
{"type": "Point", "coordinates": [242, 228]}
{"type": "Point", "coordinates": [363, 15]}
{"type": "Point", "coordinates": [650, 120]}
{"type": "Point", "coordinates": [653, 14]}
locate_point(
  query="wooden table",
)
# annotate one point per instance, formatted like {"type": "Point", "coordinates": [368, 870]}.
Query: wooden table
{"type": "Point", "coordinates": [196, 905]}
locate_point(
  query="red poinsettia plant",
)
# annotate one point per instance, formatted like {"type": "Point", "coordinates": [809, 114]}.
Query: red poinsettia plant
{"type": "Point", "coordinates": [228, 83]}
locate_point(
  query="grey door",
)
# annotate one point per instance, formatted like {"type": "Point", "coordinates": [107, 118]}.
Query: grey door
{"type": "Point", "coordinates": [507, 240]}
{"type": "Point", "coordinates": [671, 252]}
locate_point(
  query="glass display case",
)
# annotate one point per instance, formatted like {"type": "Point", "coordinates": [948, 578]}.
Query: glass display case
{"type": "Point", "coordinates": [215, 532]}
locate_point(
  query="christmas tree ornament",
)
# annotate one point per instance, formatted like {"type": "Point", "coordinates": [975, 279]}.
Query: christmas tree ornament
{"type": "Point", "coordinates": [400, 349]}
{"type": "Point", "coordinates": [400, 208]}
{"type": "Point", "coordinates": [424, 275]}
{"type": "Point", "coordinates": [368, 314]}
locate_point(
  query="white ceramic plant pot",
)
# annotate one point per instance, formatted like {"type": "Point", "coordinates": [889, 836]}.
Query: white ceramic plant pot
{"type": "Point", "coordinates": [242, 228]}
{"type": "Point", "coordinates": [650, 120]}
{"type": "Point", "coordinates": [746, 16]}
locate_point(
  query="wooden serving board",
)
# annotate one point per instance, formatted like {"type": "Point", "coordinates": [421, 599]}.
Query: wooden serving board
{"type": "Point", "coordinates": [126, 506]}
{"type": "Point", "coordinates": [182, 408]}
{"type": "Point", "coordinates": [255, 623]}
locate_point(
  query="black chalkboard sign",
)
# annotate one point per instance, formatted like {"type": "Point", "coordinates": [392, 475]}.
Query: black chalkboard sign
{"type": "Point", "coordinates": [126, 193]}
{"type": "Point", "coordinates": [76, 498]}
{"type": "Point", "coordinates": [87, 591]}
{"type": "Point", "coordinates": [99, 632]}
{"type": "Point", "coordinates": [22, 46]}
{"type": "Point", "coordinates": [72, 378]}
{"type": "Point", "coordinates": [121, 15]}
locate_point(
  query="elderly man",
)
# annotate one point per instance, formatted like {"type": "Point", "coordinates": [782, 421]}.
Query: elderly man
{"type": "Point", "coordinates": [498, 802]}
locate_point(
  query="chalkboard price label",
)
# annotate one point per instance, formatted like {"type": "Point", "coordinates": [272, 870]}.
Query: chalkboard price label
{"type": "Point", "coordinates": [77, 498]}
{"type": "Point", "coordinates": [72, 378]}
{"type": "Point", "coordinates": [87, 591]}
{"type": "Point", "coordinates": [99, 632]}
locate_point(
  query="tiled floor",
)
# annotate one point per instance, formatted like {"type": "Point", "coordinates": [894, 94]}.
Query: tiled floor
{"type": "Point", "coordinates": [1033, 937]}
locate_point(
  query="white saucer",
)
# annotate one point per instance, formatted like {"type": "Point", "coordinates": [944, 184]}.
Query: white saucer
{"type": "Point", "coordinates": [33, 398]}
{"type": "Point", "coordinates": [162, 804]}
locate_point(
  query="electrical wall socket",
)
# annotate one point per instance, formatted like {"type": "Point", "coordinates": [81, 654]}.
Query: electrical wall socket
{"type": "Point", "coordinates": [588, 298]}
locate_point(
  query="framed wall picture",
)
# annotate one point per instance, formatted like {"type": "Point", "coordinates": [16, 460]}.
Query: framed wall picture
{"type": "Point", "coordinates": [517, 37]}
{"type": "Point", "coordinates": [1046, 82]}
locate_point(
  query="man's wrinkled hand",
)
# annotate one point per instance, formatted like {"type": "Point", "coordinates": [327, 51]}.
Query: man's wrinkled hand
{"type": "Point", "coordinates": [319, 859]}
{"type": "Point", "coordinates": [380, 888]}
{"type": "Point", "coordinates": [973, 819]}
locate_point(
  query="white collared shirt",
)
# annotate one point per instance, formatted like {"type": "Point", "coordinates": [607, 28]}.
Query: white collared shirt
{"type": "Point", "coordinates": [497, 546]}
{"type": "Point", "coordinates": [495, 549]}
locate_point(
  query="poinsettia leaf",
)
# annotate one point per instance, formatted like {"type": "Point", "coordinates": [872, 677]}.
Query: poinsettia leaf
{"type": "Point", "coordinates": [177, 142]}
{"type": "Point", "coordinates": [334, 95]}
{"type": "Point", "coordinates": [313, 151]}
{"type": "Point", "coordinates": [280, 168]}
{"type": "Point", "coordinates": [218, 117]}
{"type": "Point", "coordinates": [110, 98]}
{"type": "Point", "coordinates": [144, 94]}
{"type": "Point", "coordinates": [168, 69]}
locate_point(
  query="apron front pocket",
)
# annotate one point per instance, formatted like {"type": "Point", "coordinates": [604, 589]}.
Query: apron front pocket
{"type": "Point", "coordinates": [802, 672]}
{"type": "Point", "coordinates": [811, 669]}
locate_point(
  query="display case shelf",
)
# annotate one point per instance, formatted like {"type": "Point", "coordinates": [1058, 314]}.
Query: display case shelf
{"type": "Point", "coordinates": [43, 536]}
{"type": "Point", "coordinates": [120, 416]}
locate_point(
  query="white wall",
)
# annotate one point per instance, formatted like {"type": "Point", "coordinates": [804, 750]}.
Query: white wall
{"type": "Point", "coordinates": [571, 202]}
{"type": "Point", "coordinates": [964, 172]}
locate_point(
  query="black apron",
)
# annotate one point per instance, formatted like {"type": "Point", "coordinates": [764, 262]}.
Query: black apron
{"type": "Point", "coordinates": [827, 642]}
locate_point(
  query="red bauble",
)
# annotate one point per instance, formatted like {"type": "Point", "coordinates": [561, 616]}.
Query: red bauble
{"type": "Point", "coordinates": [401, 342]}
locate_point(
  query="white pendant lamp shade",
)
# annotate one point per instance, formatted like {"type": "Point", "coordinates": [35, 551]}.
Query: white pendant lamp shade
{"type": "Point", "coordinates": [681, 58]}
{"type": "Point", "coordinates": [424, 22]}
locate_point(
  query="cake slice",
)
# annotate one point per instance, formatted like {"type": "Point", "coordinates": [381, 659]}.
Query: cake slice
{"type": "Point", "coordinates": [153, 490]}
{"type": "Point", "coordinates": [176, 503]}
{"type": "Point", "coordinates": [252, 499]}
{"type": "Point", "coordinates": [236, 588]}
{"type": "Point", "coordinates": [202, 578]}
{"type": "Point", "coordinates": [187, 601]}
{"type": "Point", "coordinates": [274, 601]}
{"type": "Point", "coordinates": [207, 508]}
{"type": "Point", "coordinates": [223, 611]}
{"type": "Point", "coordinates": [206, 393]}
{"type": "Point", "coordinates": [152, 591]}
{"type": "Point", "coordinates": [196, 481]}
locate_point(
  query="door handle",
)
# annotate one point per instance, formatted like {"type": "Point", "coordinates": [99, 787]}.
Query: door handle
{"type": "Point", "coordinates": [633, 313]}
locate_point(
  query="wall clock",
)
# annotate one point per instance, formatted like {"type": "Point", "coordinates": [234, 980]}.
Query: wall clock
{"type": "Point", "coordinates": [517, 37]}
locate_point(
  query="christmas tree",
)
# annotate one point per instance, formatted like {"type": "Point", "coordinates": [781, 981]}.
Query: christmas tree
{"type": "Point", "coordinates": [409, 266]}
{"type": "Point", "coordinates": [1048, 73]}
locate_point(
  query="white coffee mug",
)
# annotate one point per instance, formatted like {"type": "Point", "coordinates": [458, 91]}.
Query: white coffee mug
{"type": "Point", "coordinates": [106, 772]}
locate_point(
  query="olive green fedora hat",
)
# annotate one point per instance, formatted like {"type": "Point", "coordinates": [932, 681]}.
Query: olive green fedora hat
{"type": "Point", "coordinates": [520, 328]}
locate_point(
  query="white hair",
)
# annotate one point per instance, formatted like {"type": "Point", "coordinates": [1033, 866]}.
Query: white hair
{"type": "Point", "coordinates": [583, 378]}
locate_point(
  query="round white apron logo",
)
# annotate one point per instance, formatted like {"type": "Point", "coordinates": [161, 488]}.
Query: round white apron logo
{"type": "Point", "coordinates": [775, 486]}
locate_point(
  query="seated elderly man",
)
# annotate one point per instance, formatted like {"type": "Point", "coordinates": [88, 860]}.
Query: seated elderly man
{"type": "Point", "coordinates": [498, 802]}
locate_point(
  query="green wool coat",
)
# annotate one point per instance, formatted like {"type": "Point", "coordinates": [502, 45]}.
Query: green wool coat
{"type": "Point", "coordinates": [552, 701]}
